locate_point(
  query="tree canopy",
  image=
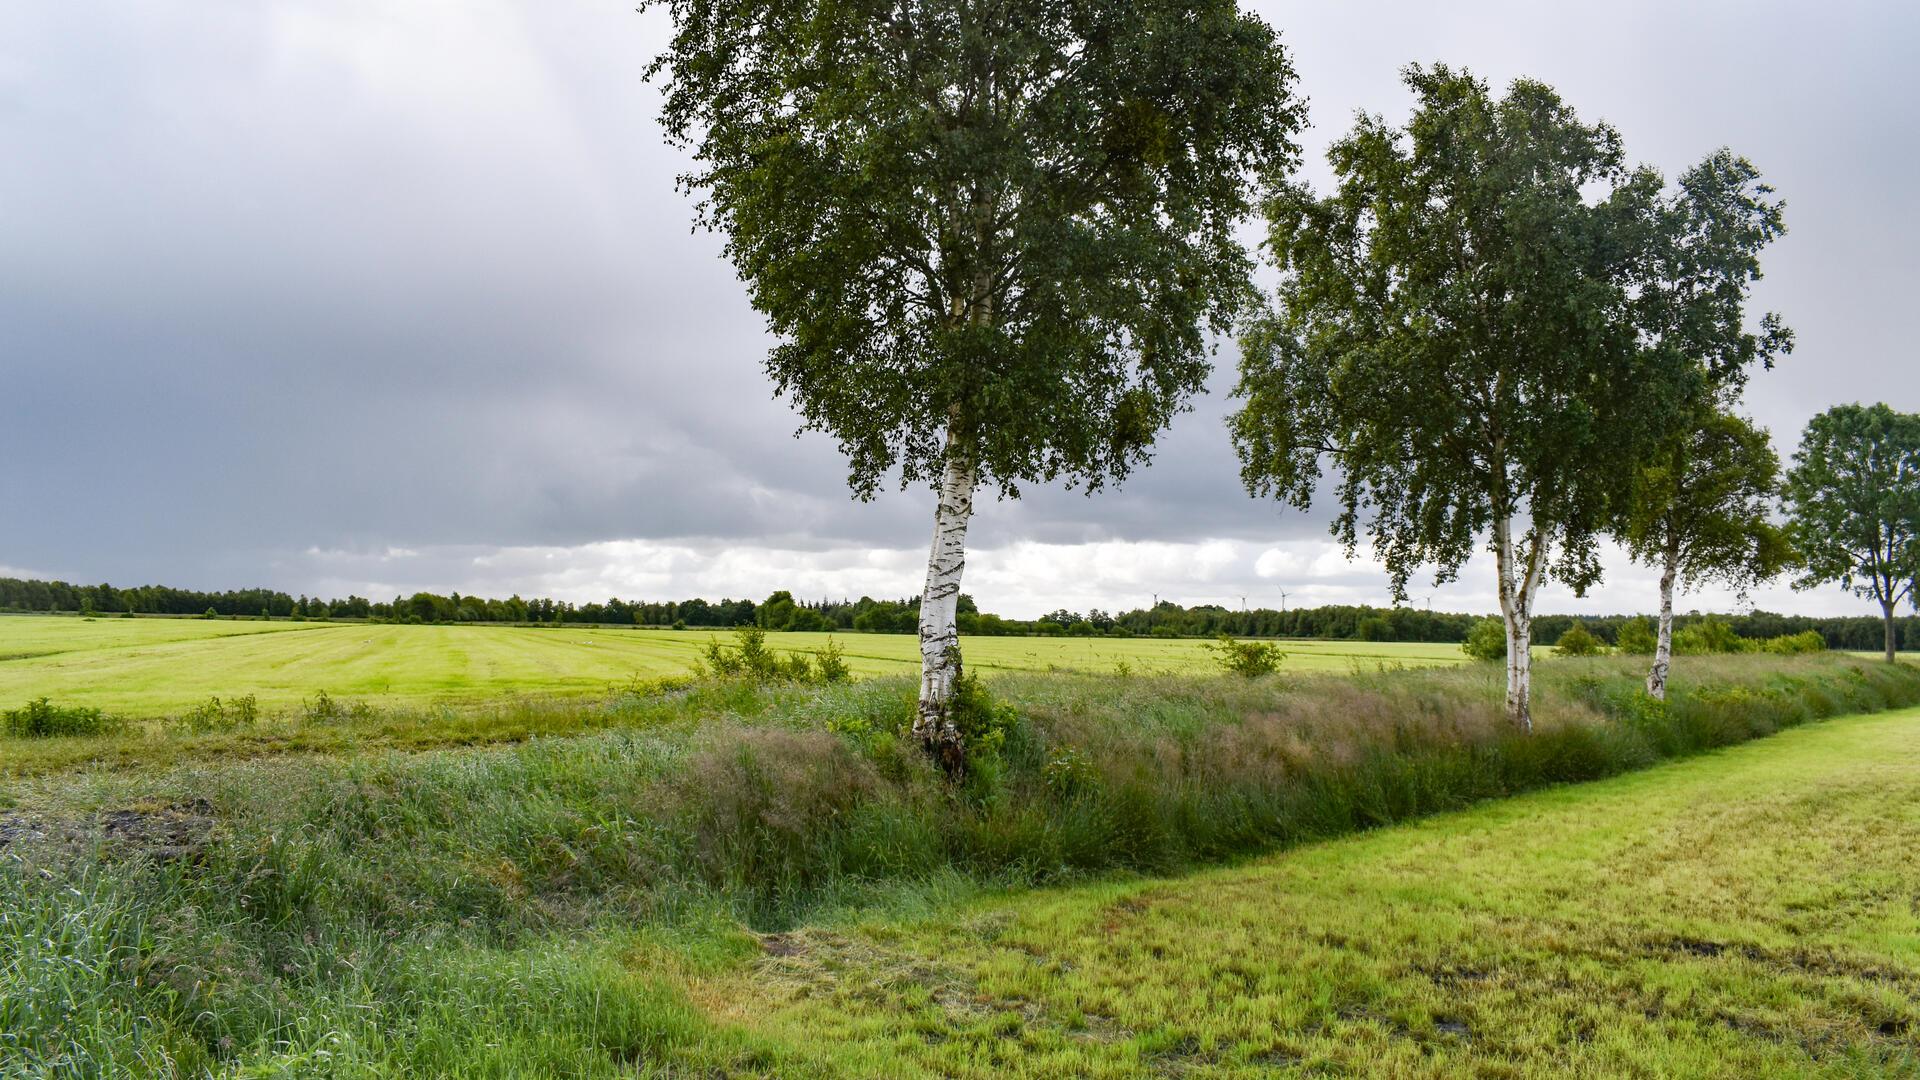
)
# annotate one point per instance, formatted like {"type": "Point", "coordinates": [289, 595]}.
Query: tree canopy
{"type": "Point", "coordinates": [1001, 229]}
{"type": "Point", "coordinates": [1853, 500]}
{"type": "Point", "coordinates": [1704, 501]}
{"type": "Point", "coordinates": [1487, 325]}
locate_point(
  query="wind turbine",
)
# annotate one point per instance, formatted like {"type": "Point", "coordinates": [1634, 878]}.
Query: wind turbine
{"type": "Point", "coordinates": [1283, 601]}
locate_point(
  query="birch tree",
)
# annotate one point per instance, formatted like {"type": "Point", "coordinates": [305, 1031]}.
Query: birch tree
{"type": "Point", "coordinates": [1853, 504]}
{"type": "Point", "coordinates": [1484, 328]}
{"type": "Point", "coordinates": [991, 237]}
{"type": "Point", "coordinates": [1701, 510]}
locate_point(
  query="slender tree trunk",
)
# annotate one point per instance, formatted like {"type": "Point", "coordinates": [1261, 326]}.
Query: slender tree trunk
{"type": "Point", "coordinates": [1663, 648]}
{"type": "Point", "coordinates": [1519, 580]}
{"type": "Point", "coordinates": [1886, 608]}
{"type": "Point", "coordinates": [939, 617]}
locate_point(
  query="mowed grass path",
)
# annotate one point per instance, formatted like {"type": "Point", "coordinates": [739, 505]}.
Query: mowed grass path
{"type": "Point", "coordinates": [158, 667]}
{"type": "Point", "coordinates": [1748, 913]}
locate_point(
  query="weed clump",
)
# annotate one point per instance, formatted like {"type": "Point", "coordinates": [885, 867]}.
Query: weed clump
{"type": "Point", "coordinates": [323, 708]}
{"type": "Point", "coordinates": [750, 658]}
{"type": "Point", "coordinates": [41, 719]}
{"type": "Point", "coordinates": [214, 715]}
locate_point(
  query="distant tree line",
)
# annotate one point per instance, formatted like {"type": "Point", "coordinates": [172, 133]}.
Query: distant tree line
{"type": "Point", "coordinates": [782, 612]}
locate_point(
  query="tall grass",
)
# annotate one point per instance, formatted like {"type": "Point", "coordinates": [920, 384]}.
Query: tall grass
{"type": "Point", "coordinates": [429, 912]}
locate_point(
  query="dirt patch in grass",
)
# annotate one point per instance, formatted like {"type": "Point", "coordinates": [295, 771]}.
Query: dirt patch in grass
{"type": "Point", "coordinates": [162, 833]}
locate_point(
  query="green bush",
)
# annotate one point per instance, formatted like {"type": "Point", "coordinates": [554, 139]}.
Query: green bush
{"type": "Point", "coordinates": [1637, 637]}
{"type": "Point", "coordinates": [41, 719]}
{"type": "Point", "coordinates": [1709, 636]}
{"type": "Point", "coordinates": [1578, 641]}
{"type": "Point", "coordinates": [1486, 641]}
{"type": "Point", "coordinates": [1250, 659]}
{"type": "Point", "coordinates": [1806, 641]}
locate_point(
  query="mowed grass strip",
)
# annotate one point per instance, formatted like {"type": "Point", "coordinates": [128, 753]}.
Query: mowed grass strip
{"type": "Point", "coordinates": [160, 667]}
{"type": "Point", "coordinates": [1749, 913]}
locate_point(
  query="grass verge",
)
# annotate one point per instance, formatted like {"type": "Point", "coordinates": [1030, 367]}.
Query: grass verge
{"type": "Point", "coordinates": [569, 905]}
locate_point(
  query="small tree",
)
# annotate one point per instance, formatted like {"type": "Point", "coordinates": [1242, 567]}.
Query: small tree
{"type": "Point", "coordinates": [1486, 641]}
{"type": "Point", "coordinates": [1853, 503]}
{"type": "Point", "coordinates": [1637, 638]}
{"type": "Point", "coordinates": [1577, 640]}
{"type": "Point", "coordinates": [1701, 510]}
{"type": "Point", "coordinates": [1486, 326]}
{"type": "Point", "coordinates": [990, 238]}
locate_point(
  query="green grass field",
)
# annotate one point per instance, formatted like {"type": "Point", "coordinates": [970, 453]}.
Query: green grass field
{"type": "Point", "coordinates": [158, 667]}
{"type": "Point", "coordinates": [1750, 913]}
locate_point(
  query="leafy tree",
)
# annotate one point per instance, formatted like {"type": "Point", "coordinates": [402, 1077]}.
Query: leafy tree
{"type": "Point", "coordinates": [776, 612]}
{"type": "Point", "coordinates": [1637, 638]}
{"type": "Point", "coordinates": [1853, 502]}
{"type": "Point", "coordinates": [1701, 510]}
{"type": "Point", "coordinates": [1578, 641]}
{"type": "Point", "coordinates": [1486, 325]}
{"type": "Point", "coordinates": [1486, 640]}
{"type": "Point", "coordinates": [991, 237]}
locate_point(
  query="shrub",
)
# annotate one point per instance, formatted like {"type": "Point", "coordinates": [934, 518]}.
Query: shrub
{"type": "Point", "coordinates": [1374, 628]}
{"type": "Point", "coordinates": [1806, 641]}
{"type": "Point", "coordinates": [830, 666]}
{"type": "Point", "coordinates": [750, 658]}
{"type": "Point", "coordinates": [210, 614]}
{"type": "Point", "coordinates": [1707, 636]}
{"type": "Point", "coordinates": [1486, 640]}
{"type": "Point", "coordinates": [1246, 658]}
{"type": "Point", "coordinates": [1578, 641]}
{"type": "Point", "coordinates": [679, 624]}
{"type": "Point", "coordinates": [41, 719]}
{"type": "Point", "coordinates": [216, 715]}
{"type": "Point", "coordinates": [1637, 637]}
{"type": "Point", "coordinates": [1164, 631]}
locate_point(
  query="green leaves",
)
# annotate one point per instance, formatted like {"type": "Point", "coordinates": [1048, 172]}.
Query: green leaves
{"type": "Point", "coordinates": [1853, 497]}
{"type": "Point", "coordinates": [1705, 500]}
{"type": "Point", "coordinates": [1011, 218]}
{"type": "Point", "coordinates": [1493, 318]}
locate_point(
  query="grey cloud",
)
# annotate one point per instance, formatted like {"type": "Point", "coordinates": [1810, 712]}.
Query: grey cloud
{"type": "Point", "coordinates": [353, 276]}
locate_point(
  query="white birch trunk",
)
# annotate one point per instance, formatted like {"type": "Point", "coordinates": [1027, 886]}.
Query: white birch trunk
{"type": "Point", "coordinates": [1663, 646]}
{"type": "Point", "coordinates": [1519, 581]}
{"type": "Point", "coordinates": [939, 616]}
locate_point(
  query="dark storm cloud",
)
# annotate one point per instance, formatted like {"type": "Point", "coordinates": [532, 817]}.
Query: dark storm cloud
{"type": "Point", "coordinates": [350, 277]}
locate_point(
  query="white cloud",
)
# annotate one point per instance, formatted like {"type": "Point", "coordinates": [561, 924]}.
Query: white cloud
{"type": "Point", "coordinates": [1021, 579]}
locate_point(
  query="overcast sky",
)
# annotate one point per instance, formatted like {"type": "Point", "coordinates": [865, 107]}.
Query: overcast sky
{"type": "Point", "coordinates": [372, 296]}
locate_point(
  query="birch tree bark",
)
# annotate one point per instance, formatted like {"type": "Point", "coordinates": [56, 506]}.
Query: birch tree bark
{"type": "Point", "coordinates": [1663, 647]}
{"type": "Point", "coordinates": [1519, 582]}
{"type": "Point", "coordinates": [939, 615]}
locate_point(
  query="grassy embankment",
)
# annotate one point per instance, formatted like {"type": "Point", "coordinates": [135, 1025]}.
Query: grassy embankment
{"type": "Point", "coordinates": [726, 886]}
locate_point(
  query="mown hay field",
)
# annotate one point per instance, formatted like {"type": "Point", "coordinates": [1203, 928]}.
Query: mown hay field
{"type": "Point", "coordinates": [158, 667]}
